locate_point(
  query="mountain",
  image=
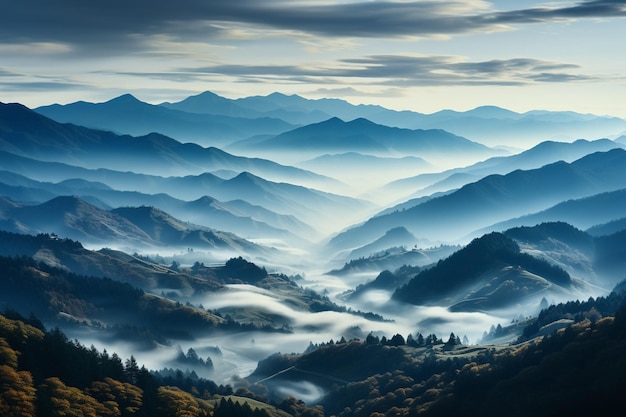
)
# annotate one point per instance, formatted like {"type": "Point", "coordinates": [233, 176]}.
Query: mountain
{"type": "Point", "coordinates": [269, 210]}
{"type": "Point", "coordinates": [240, 218]}
{"type": "Point", "coordinates": [496, 198]}
{"type": "Point", "coordinates": [582, 213]}
{"type": "Point", "coordinates": [364, 136]}
{"type": "Point", "coordinates": [542, 154]}
{"type": "Point", "coordinates": [26, 133]}
{"type": "Point", "coordinates": [317, 208]}
{"type": "Point", "coordinates": [489, 125]}
{"type": "Point", "coordinates": [495, 126]}
{"type": "Point", "coordinates": [599, 260]}
{"type": "Point", "coordinates": [126, 114]}
{"type": "Point", "coordinates": [489, 273]}
{"type": "Point", "coordinates": [69, 255]}
{"type": "Point", "coordinates": [292, 109]}
{"type": "Point", "coordinates": [396, 237]}
{"type": "Point", "coordinates": [348, 167]}
{"type": "Point", "coordinates": [71, 217]}
{"type": "Point", "coordinates": [608, 228]}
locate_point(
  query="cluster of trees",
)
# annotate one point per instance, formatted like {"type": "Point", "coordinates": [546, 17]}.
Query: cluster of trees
{"type": "Point", "coordinates": [416, 341]}
{"type": "Point", "coordinates": [592, 309]}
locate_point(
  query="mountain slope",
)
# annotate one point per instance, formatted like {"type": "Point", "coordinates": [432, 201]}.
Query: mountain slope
{"type": "Point", "coordinates": [362, 135]}
{"type": "Point", "coordinates": [396, 237]}
{"type": "Point", "coordinates": [489, 273]}
{"type": "Point", "coordinates": [71, 217]}
{"type": "Point", "coordinates": [582, 213]}
{"type": "Point", "coordinates": [536, 157]}
{"type": "Point", "coordinates": [496, 197]}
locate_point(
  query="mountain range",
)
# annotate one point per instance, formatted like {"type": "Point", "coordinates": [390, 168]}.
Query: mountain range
{"type": "Point", "coordinates": [128, 115]}
{"type": "Point", "coordinates": [539, 155]}
{"type": "Point", "coordinates": [236, 216]}
{"type": "Point", "coordinates": [428, 223]}
{"type": "Point", "coordinates": [146, 228]}
{"type": "Point", "coordinates": [495, 198]}
{"type": "Point", "coordinates": [489, 125]}
{"type": "Point", "coordinates": [362, 135]}
{"type": "Point", "coordinates": [26, 133]}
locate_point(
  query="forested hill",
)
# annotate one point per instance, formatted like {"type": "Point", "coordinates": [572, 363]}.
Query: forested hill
{"type": "Point", "coordinates": [574, 371]}
{"type": "Point", "coordinates": [43, 374]}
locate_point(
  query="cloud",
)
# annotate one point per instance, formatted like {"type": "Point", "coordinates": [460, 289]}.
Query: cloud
{"type": "Point", "coordinates": [106, 24]}
{"type": "Point", "coordinates": [11, 80]}
{"type": "Point", "coordinates": [405, 70]}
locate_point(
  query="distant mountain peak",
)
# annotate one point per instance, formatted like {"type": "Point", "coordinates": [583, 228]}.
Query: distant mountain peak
{"type": "Point", "coordinates": [125, 99]}
{"type": "Point", "coordinates": [399, 232]}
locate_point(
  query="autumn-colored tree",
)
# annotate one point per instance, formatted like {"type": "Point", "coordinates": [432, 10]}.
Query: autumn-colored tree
{"type": "Point", "coordinates": [173, 402]}
{"type": "Point", "coordinates": [60, 400]}
{"type": "Point", "coordinates": [126, 397]}
{"type": "Point", "coordinates": [17, 394]}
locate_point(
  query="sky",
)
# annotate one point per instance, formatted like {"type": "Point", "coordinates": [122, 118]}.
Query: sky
{"type": "Point", "coordinates": [407, 55]}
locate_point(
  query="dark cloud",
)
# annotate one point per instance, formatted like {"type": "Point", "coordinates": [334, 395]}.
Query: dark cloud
{"type": "Point", "coordinates": [401, 70]}
{"type": "Point", "coordinates": [122, 24]}
{"type": "Point", "coordinates": [39, 86]}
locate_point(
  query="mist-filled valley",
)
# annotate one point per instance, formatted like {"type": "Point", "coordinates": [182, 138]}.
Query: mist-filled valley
{"type": "Point", "coordinates": [287, 256]}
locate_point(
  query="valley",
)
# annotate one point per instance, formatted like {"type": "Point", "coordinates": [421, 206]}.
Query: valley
{"type": "Point", "coordinates": [289, 249]}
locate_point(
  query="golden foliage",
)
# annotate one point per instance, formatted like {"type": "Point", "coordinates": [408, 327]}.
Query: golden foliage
{"type": "Point", "coordinates": [18, 330]}
{"type": "Point", "coordinates": [8, 356]}
{"type": "Point", "coordinates": [68, 401]}
{"type": "Point", "coordinates": [173, 402]}
{"type": "Point", "coordinates": [17, 394]}
{"type": "Point", "coordinates": [119, 395]}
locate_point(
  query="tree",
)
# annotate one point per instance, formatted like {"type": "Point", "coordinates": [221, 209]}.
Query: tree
{"type": "Point", "coordinates": [173, 402]}
{"type": "Point", "coordinates": [17, 394]}
{"type": "Point", "coordinates": [452, 341]}
{"type": "Point", "coordinates": [397, 340]}
{"type": "Point", "coordinates": [131, 370]}
{"type": "Point", "coordinates": [371, 339]}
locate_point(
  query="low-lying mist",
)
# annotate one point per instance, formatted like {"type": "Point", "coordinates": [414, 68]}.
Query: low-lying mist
{"type": "Point", "coordinates": [236, 354]}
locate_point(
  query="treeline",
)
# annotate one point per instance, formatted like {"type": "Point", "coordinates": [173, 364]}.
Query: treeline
{"type": "Point", "coordinates": [576, 371]}
{"type": "Point", "coordinates": [577, 311]}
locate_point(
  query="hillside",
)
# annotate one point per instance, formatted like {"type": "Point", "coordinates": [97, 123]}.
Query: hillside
{"type": "Point", "coordinates": [74, 218]}
{"type": "Point", "coordinates": [426, 375]}
{"type": "Point", "coordinates": [491, 272]}
{"type": "Point", "coordinates": [544, 153]}
{"type": "Point", "coordinates": [46, 374]}
{"type": "Point", "coordinates": [484, 202]}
